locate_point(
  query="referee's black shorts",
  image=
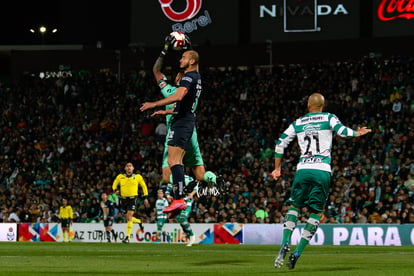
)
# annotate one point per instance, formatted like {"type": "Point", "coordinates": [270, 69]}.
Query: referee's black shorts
{"type": "Point", "coordinates": [128, 203]}
{"type": "Point", "coordinates": [65, 222]}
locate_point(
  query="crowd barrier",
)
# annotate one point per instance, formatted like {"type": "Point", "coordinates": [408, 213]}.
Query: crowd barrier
{"type": "Point", "coordinates": [229, 233]}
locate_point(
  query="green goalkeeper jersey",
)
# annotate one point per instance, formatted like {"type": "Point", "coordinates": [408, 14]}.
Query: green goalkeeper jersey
{"type": "Point", "coordinates": [167, 90]}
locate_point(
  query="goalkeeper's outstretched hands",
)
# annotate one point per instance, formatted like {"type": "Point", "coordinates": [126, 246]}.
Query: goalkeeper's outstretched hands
{"type": "Point", "coordinates": [167, 43]}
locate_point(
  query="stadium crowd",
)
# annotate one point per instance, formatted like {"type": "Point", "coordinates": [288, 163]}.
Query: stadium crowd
{"type": "Point", "coordinates": [69, 138]}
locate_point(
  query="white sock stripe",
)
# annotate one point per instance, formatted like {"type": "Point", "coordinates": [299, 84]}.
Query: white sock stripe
{"type": "Point", "coordinates": [293, 213]}
{"type": "Point", "coordinates": [313, 221]}
{"type": "Point", "coordinates": [290, 225]}
{"type": "Point", "coordinates": [180, 188]}
{"type": "Point", "coordinates": [307, 235]}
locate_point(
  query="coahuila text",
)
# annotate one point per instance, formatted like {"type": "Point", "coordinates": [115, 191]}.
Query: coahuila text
{"type": "Point", "coordinates": [177, 235]}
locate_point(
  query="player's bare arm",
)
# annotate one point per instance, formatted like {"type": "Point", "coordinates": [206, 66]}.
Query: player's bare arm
{"type": "Point", "coordinates": [276, 173]}
{"type": "Point", "coordinates": [162, 112]}
{"type": "Point", "coordinates": [156, 69]}
{"type": "Point", "coordinates": [362, 131]}
{"type": "Point", "coordinates": [178, 96]}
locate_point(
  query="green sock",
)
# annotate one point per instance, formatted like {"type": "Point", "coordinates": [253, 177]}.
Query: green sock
{"type": "Point", "coordinates": [308, 232]}
{"type": "Point", "coordinates": [187, 228]}
{"type": "Point", "coordinates": [289, 225]}
{"type": "Point", "coordinates": [210, 177]}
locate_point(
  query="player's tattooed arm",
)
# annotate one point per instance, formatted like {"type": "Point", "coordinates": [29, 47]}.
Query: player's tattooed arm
{"type": "Point", "coordinates": [158, 64]}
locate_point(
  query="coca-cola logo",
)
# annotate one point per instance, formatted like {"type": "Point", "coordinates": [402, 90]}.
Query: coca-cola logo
{"type": "Point", "coordinates": [393, 9]}
{"type": "Point", "coordinates": [191, 9]}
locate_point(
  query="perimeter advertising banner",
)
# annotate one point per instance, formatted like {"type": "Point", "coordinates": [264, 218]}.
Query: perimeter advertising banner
{"type": "Point", "coordinates": [335, 234]}
{"type": "Point", "coordinates": [95, 232]}
{"type": "Point", "coordinates": [8, 232]}
{"type": "Point", "coordinates": [229, 233]}
{"type": "Point", "coordinates": [393, 18]}
{"type": "Point", "coordinates": [304, 20]}
{"type": "Point", "coordinates": [35, 232]}
{"type": "Point", "coordinates": [205, 21]}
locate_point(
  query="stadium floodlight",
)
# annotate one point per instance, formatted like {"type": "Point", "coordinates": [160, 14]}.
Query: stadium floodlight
{"type": "Point", "coordinates": [43, 32]}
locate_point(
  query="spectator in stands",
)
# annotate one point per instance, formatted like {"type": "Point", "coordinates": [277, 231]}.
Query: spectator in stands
{"type": "Point", "coordinates": [261, 214]}
{"type": "Point", "coordinates": [14, 216]}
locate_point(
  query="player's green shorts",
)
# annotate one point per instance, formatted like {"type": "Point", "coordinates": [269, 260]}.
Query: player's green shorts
{"type": "Point", "coordinates": [310, 188]}
{"type": "Point", "coordinates": [192, 156]}
{"type": "Point", "coordinates": [161, 222]}
{"type": "Point", "coordinates": [185, 214]}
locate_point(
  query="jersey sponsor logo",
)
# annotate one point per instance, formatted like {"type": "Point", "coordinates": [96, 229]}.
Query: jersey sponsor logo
{"type": "Point", "coordinates": [162, 84]}
{"type": "Point", "coordinates": [312, 127]}
{"type": "Point", "coordinates": [170, 137]}
{"type": "Point", "coordinates": [336, 121]}
{"type": "Point", "coordinates": [312, 119]}
{"type": "Point", "coordinates": [312, 160]}
{"type": "Point", "coordinates": [187, 78]}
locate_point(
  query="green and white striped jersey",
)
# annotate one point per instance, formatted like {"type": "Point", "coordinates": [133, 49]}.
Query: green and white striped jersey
{"type": "Point", "coordinates": [161, 204]}
{"type": "Point", "coordinates": [314, 132]}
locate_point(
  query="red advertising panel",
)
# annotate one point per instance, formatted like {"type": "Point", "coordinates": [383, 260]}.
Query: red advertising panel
{"type": "Point", "coordinates": [302, 20]}
{"type": "Point", "coordinates": [393, 18]}
{"type": "Point", "coordinates": [205, 21]}
{"type": "Point", "coordinates": [229, 233]}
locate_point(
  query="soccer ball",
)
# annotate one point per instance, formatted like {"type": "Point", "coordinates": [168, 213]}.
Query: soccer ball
{"type": "Point", "coordinates": [178, 40]}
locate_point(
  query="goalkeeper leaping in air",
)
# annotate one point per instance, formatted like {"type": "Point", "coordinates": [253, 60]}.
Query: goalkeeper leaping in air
{"type": "Point", "coordinates": [181, 99]}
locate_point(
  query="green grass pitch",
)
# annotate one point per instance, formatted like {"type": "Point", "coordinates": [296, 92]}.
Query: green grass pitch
{"type": "Point", "coordinates": [25, 258]}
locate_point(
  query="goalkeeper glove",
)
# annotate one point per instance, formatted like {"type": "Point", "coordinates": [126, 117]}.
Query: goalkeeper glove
{"type": "Point", "coordinates": [167, 42]}
{"type": "Point", "coordinates": [187, 44]}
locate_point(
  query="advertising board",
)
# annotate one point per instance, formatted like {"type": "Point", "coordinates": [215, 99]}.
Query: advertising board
{"type": "Point", "coordinates": [8, 232]}
{"type": "Point", "coordinates": [393, 18]}
{"type": "Point", "coordinates": [208, 233]}
{"type": "Point", "coordinates": [293, 20]}
{"type": "Point", "coordinates": [206, 22]}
